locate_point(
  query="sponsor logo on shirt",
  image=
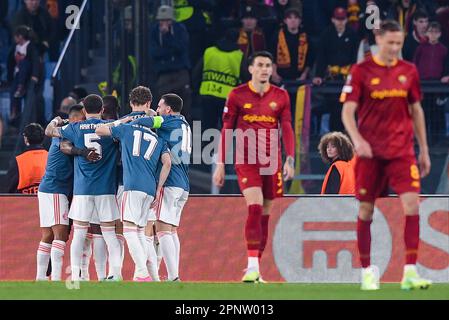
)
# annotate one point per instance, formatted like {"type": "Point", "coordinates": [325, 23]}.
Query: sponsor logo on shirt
{"type": "Point", "coordinates": [402, 79]}
{"type": "Point", "coordinates": [255, 118]}
{"type": "Point", "coordinates": [375, 81]}
{"type": "Point", "coordinates": [247, 106]}
{"type": "Point", "coordinates": [394, 93]}
{"type": "Point", "coordinates": [273, 105]}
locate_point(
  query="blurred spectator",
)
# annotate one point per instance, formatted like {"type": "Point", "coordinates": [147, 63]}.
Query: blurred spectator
{"type": "Point", "coordinates": [23, 65]}
{"type": "Point", "coordinates": [38, 19]}
{"type": "Point", "coordinates": [431, 57]}
{"type": "Point", "coordinates": [194, 14]}
{"type": "Point", "coordinates": [432, 60]}
{"type": "Point", "coordinates": [442, 15]}
{"type": "Point", "coordinates": [280, 6]}
{"type": "Point", "coordinates": [111, 108]}
{"type": "Point", "coordinates": [78, 93]}
{"type": "Point", "coordinates": [169, 49]}
{"type": "Point", "coordinates": [368, 46]}
{"type": "Point", "coordinates": [403, 12]}
{"type": "Point", "coordinates": [222, 69]}
{"type": "Point", "coordinates": [336, 53]}
{"type": "Point", "coordinates": [64, 108]}
{"type": "Point", "coordinates": [337, 50]}
{"type": "Point", "coordinates": [27, 169]}
{"type": "Point", "coordinates": [291, 49]}
{"type": "Point", "coordinates": [252, 38]}
{"type": "Point", "coordinates": [417, 36]}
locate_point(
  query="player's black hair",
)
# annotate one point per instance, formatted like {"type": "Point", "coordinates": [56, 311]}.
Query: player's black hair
{"type": "Point", "coordinates": [256, 54]}
{"type": "Point", "coordinates": [140, 96]}
{"type": "Point", "coordinates": [420, 14]}
{"type": "Point", "coordinates": [174, 101]}
{"type": "Point", "coordinates": [78, 93]}
{"type": "Point", "coordinates": [76, 108]}
{"type": "Point", "coordinates": [434, 26]}
{"type": "Point", "coordinates": [93, 103]}
{"type": "Point", "coordinates": [24, 31]}
{"type": "Point", "coordinates": [389, 26]}
{"type": "Point", "coordinates": [111, 108]}
{"type": "Point", "coordinates": [34, 133]}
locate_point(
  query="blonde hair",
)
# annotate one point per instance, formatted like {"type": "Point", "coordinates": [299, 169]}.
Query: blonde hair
{"type": "Point", "coordinates": [341, 141]}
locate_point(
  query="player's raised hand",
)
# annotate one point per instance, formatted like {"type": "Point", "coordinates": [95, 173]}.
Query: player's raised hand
{"type": "Point", "coordinates": [58, 121]}
{"type": "Point", "coordinates": [424, 164]}
{"type": "Point", "coordinates": [219, 175]}
{"type": "Point", "coordinates": [362, 148]}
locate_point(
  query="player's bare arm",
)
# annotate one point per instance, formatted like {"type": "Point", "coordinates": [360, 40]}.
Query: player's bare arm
{"type": "Point", "coordinates": [289, 168]}
{"type": "Point", "coordinates": [104, 131]}
{"type": "Point", "coordinates": [69, 149]}
{"type": "Point", "coordinates": [53, 129]}
{"type": "Point", "coordinates": [165, 170]}
{"type": "Point", "coordinates": [361, 146]}
{"type": "Point", "coordinates": [419, 123]}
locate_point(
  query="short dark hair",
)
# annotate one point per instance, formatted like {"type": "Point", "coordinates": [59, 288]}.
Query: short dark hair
{"type": "Point", "coordinates": [140, 96]}
{"type": "Point", "coordinates": [76, 108]}
{"type": "Point", "coordinates": [34, 133]}
{"type": "Point", "coordinates": [78, 93]}
{"type": "Point", "coordinates": [389, 26]}
{"type": "Point", "coordinates": [420, 14]}
{"type": "Point", "coordinates": [256, 54]}
{"type": "Point", "coordinates": [174, 101]}
{"type": "Point", "coordinates": [434, 25]}
{"type": "Point", "coordinates": [93, 103]}
{"type": "Point", "coordinates": [24, 31]}
{"type": "Point", "coordinates": [111, 104]}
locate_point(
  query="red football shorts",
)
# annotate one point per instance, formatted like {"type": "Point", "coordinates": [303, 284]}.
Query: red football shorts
{"type": "Point", "coordinates": [249, 176]}
{"type": "Point", "coordinates": [374, 176]}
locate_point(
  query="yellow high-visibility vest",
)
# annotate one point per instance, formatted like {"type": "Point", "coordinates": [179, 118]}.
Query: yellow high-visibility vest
{"type": "Point", "coordinates": [221, 72]}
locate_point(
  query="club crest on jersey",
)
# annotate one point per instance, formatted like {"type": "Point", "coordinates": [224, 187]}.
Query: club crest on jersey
{"type": "Point", "coordinates": [247, 106]}
{"type": "Point", "coordinates": [273, 105]}
{"type": "Point", "coordinates": [245, 180]}
{"type": "Point", "coordinates": [402, 79]}
{"type": "Point", "coordinates": [375, 81]}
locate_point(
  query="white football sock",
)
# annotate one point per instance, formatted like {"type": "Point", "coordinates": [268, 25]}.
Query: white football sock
{"type": "Point", "coordinates": [253, 263]}
{"type": "Point", "coordinates": [85, 261]}
{"type": "Point", "coordinates": [136, 250]}
{"type": "Point", "coordinates": [152, 263]}
{"type": "Point", "coordinates": [100, 252]}
{"type": "Point", "coordinates": [76, 250]}
{"type": "Point", "coordinates": [175, 237]}
{"type": "Point", "coordinates": [121, 240]}
{"type": "Point", "coordinates": [113, 245]}
{"type": "Point", "coordinates": [168, 252]}
{"type": "Point", "coordinates": [57, 259]}
{"type": "Point", "coordinates": [42, 258]}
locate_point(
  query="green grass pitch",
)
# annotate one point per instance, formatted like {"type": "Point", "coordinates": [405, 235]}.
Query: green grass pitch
{"type": "Point", "coordinates": [213, 291]}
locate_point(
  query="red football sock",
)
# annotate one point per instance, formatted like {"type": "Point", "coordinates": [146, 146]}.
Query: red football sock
{"type": "Point", "coordinates": [253, 229]}
{"type": "Point", "coordinates": [263, 241]}
{"type": "Point", "coordinates": [364, 242]}
{"type": "Point", "coordinates": [411, 237]}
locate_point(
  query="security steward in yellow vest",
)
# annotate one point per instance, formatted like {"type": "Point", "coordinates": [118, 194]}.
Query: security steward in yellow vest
{"type": "Point", "coordinates": [27, 169]}
{"type": "Point", "coordinates": [222, 69]}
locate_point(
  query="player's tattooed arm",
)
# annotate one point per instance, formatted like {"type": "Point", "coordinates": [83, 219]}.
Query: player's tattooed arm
{"type": "Point", "coordinates": [53, 129]}
{"type": "Point", "coordinates": [419, 123]}
{"type": "Point", "coordinates": [69, 149]}
{"type": "Point", "coordinates": [165, 170]}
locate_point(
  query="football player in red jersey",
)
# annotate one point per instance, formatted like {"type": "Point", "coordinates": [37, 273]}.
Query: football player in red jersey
{"type": "Point", "coordinates": [385, 93]}
{"type": "Point", "coordinates": [257, 110]}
